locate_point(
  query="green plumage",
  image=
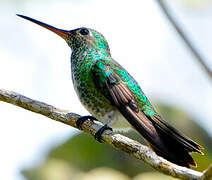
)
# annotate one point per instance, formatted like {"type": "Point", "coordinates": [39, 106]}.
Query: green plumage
{"type": "Point", "coordinates": [82, 62]}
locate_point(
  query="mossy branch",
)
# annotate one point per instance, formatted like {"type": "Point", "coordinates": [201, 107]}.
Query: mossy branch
{"type": "Point", "coordinates": [118, 141]}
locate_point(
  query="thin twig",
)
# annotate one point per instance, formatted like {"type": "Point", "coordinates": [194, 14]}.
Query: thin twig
{"type": "Point", "coordinates": [184, 37]}
{"type": "Point", "coordinates": [118, 141]}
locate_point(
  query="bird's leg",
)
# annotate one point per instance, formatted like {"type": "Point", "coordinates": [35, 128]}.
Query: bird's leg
{"type": "Point", "coordinates": [82, 119]}
{"type": "Point", "coordinates": [98, 134]}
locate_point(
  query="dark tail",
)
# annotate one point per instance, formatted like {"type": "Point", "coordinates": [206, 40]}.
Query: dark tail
{"type": "Point", "coordinates": [175, 147]}
{"type": "Point", "coordinates": [164, 139]}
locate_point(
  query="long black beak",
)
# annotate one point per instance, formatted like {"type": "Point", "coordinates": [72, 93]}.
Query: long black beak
{"type": "Point", "coordinates": [62, 33]}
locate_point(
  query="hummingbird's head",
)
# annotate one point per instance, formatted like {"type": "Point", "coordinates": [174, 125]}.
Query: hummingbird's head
{"type": "Point", "coordinates": [77, 38]}
{"type": "Point", "coordinates": [88, 38]}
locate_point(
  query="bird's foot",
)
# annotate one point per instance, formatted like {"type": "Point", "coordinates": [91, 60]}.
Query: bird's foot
{"type": "Point", "coordinates": [82, 119]}
{"type": "Point", "coordinates": [98, 134]}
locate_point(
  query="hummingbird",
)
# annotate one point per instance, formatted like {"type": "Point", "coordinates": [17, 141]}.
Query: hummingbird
{"type": "Point", "coordinates": [112, 96]}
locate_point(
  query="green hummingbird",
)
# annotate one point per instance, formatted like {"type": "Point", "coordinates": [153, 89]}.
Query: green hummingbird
{"type": "Point", "coordinates": [113, 97]}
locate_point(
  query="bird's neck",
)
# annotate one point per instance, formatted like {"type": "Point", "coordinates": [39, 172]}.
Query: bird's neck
{"type": "Point", "coordinates": [89, 55]}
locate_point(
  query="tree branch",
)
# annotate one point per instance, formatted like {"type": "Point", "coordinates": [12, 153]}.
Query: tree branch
{"type": "Point", "coordinates": [184, 37]}
{"type": "Point", "coordinates": [207, 174]}
{"type": "Point", "coordinates": [118, 141]}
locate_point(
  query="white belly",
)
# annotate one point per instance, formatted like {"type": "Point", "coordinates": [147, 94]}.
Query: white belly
{"type": "Point", "coordinates": [115, 120]}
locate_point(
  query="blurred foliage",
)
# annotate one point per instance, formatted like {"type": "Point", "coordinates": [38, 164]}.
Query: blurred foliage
{"type": "Point", "coordinates": [196, 3]}
{"type": "Point", "coordinates": [81, 157]}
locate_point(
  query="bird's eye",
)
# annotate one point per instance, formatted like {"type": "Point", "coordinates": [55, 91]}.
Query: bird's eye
{"type": "Point", "coordinates": [84, 31]}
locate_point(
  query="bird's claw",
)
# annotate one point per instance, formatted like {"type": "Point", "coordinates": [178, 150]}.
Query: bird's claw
{"type": "Point", "coordinates": [82, 119]}
{"type": "Point", "coordinates": [98, 134]}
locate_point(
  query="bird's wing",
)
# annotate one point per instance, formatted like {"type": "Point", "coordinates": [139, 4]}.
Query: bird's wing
{"type": "Point", "coordinates": [120, 95]}
{"type": "Point", "coordinates": [152, 127]}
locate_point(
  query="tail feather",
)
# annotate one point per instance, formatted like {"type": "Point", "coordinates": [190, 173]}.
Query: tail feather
{"type": "Point", "coordinates": [176, 147]}
{"type": "Point", "coordinates": [164, 139]}
{"type": "Point", "coordinates": [169, 130]}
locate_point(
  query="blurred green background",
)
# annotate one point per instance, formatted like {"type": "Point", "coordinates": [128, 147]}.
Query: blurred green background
{"type": "Point", "coordinates": [35, 62]}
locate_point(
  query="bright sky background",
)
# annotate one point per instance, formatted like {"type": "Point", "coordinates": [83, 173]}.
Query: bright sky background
{"type": "Point", "coordinates": [35, 62]}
